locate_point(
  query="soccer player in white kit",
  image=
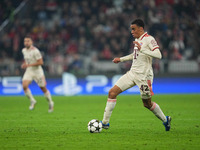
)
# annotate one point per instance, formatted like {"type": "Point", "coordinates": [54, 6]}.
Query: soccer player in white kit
{"type": "Point", "coordinates": [140, 74]}
{"type": "Point", "coordinates": [32, 64]}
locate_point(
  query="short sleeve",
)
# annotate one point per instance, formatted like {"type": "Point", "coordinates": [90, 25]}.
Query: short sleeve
{"type": "Point", "coordinates": [23, 51]}
{"type": "Point", "coordinates": [152, 43]}
{"type": "Point", "coordinates": [37, 54]}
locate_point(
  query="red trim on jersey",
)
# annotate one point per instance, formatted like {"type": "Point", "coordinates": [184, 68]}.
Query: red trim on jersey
{"type": "Point", "coordinates": [155, 48]}
{"type": "Point", "coordinates": [150, 87]}
{"type": "Point", "coordinates": [144, 36]}
{"type": "Point", "coordinates": [111, 100]}
{"type": "Point", "coordinates": [32, 48]}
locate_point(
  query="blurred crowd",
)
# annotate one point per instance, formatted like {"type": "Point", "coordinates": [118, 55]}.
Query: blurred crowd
{"type": "Point", "coordinates": [70, 32]}
{"type": "Point", "coordinates": [7, 8]}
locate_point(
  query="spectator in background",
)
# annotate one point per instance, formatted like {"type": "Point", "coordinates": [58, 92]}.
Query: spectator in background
{"type": "Point", "coordinates": [51, 7]}
{"type": "Point", "coordinates": [76, 64]}
{"type": "Point", "coordinates": [72, 47]}
{"type": "Point", "coordinates": [165, 60]}
{"type": "Point", "coordinates": [106, 53]}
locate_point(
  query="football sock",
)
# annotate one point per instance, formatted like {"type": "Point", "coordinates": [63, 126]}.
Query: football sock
{"type": "Point", "coordinates": [48, 96]}
{"type": "Point", "coordinates": [158, 112]}
{"type": "Point", "coordinates": [108, 110]}
{"type": "Point", "coordinates": [29, 95]}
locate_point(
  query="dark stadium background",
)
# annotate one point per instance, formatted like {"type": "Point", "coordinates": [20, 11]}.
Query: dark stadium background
{"type": "Point", "coordinates": [82, 37]}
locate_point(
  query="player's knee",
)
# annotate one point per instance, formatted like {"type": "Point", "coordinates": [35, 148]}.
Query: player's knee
{"type": "Point", "coordinates": [44, 89]}
{"type": "Point", "coordinates": [25, 87]}
{"type": "Point", "coordinates": [112, 94]}
{"type": "Point", "coordinates": [146, 105]}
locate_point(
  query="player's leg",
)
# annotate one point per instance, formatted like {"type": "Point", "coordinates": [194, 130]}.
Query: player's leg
{"type": "Point", "coordinates": [146, 93]}
{"type": "Point", "coordinates": [121, 85]}
{"type": "Point", "coordinates": [155, 108]}
{"type": "Point", "coordinates": [111, 102]}
{"type": "Point", "coordinates": [27, 91]}
{"type": "Point", "coordinates": [47, 95]}
{"type": "Point", "coordinates": [26, 80]}
{"type": "Point", "coordinates": [41, 81]}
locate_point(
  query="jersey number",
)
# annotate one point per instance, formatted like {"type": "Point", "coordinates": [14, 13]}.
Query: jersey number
{"type": "Point", "coordinates": [144, 88]}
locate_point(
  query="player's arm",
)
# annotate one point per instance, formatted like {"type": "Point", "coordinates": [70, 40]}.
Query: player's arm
{"type": "Point", "coordinates": [24, 63]}
{"type": "Point", "coordinates": [38, 63]}
{"type": "Point", "coordinates": [155, 53]}
{"type": "Point", "coordinates": [122, 59]}
{"type": "Point", "coordinates": [24, 66]}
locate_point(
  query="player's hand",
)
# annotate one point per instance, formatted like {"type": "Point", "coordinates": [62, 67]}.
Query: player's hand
{"type": "Point", "coordinates": [24, 66]}
{"type": "Point", "coordinates": [116, 60]}
{"type": "Point", "coordinates": [137, 45]}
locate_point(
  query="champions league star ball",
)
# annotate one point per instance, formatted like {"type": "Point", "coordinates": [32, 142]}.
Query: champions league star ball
{"type": "Point", "coordinates": [94, 126]}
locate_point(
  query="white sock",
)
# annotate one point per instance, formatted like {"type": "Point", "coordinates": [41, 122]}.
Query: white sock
{"type": "Point", "coordinates": [29, 95]}
{"type": "Point", "coordinates": [108, 110]}
{"type": "Point", "coordinates": [158, 112]}
{"type": "Point", "coordinates": [48, 96]}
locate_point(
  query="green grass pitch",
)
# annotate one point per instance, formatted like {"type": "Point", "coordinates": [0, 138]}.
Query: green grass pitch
{"type": "Point", "coordinates": [132, 127]}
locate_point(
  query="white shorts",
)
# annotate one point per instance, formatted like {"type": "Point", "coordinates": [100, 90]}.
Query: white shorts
{"type": "Point", "coordinates": [129, 80]}
{"type": "Point", "coordinates": [37, 76]}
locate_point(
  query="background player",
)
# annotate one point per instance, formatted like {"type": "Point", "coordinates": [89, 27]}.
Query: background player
{"type": "Point", "coordinates": [140, 74]}
{"type": "Point", "coordinates": [34, 71]}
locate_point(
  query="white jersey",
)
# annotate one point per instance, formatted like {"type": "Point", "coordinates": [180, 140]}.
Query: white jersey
{"type": "Point", "coordinates": [31, 56]}
{"type": "Point", "coordinates": [142, 63]}
{"type": "Point", "coordinates": [36, 73]}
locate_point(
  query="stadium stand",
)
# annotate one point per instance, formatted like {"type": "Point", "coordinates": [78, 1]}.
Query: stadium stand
{"type": "Point", "coordinates": [76, 36]}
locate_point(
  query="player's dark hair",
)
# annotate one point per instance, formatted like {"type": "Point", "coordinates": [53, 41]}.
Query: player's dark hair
{"type": "Point", "coordinates": [138, 22]}
{"type": "Point", "coordinates": [28, 36]}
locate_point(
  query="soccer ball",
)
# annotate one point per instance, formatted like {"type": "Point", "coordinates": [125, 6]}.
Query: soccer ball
{"type": "Point", "coordinates": [94, 126]}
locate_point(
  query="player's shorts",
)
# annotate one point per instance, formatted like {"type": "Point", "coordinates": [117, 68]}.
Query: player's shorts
{"type": "Point", "coordinates": [129, 80]}
{"type": "Point", "coordinates": [37, 76]}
